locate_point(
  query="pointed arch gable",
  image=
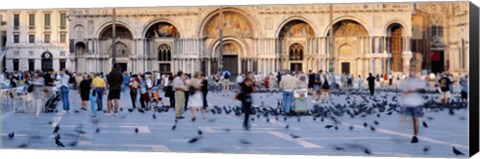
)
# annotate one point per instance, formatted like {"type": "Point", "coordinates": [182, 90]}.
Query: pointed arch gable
{"type": "Point", "coordinates": [155, 21]}
{"type": "Point", "coordinates": [254, 23]}
{"type": "Point", "coordinates": [108, 23]}
{"type": "Point", "coordinates": [348, 17]}
{"type": "Point", "coordinates": [293, 18]}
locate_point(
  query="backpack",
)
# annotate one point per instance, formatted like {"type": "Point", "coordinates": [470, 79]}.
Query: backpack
{"type": "Point", "coordinates": [318, 79]}
{"type": "Point", "coordinates": [326, 85]}
{"type": "Point", "coordinates": [226, 75]}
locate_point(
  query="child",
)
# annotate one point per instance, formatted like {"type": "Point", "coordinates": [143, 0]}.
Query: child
{"type": "Point", "coordinates": [93, 101]}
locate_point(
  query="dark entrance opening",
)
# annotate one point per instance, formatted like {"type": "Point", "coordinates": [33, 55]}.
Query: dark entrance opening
{"type": "Point", "coordinates": [230, 63]}
{"type": "Point", "coordinates": [47, 61]}
{"type": "Point", "coordinates": [296, 67]}
{"type": "Point", "coordinates": [346, 67]}
{"type": "Point", "coordinates": [438, 65]}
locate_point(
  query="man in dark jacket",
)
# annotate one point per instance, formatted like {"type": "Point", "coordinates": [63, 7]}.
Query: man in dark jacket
{"type": "Point", "coordinates": [371, 83]}
{"type": "Point", "coordinates": [115, 81]}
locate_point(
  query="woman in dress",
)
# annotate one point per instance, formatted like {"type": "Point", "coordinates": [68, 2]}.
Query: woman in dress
{"type": "Point", "coordinates": [84, 91]}
{"type": "Point", "coordinates": [195, 101]}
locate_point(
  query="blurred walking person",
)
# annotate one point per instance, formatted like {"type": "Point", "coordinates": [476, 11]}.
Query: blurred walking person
{"type": "Point", "coordinates": [371, 83]}
{"type": "Point", "coordinates": [195, 102]}
{"type": "Point", "coordinates": [464, 88]}
{"type": "Point", "coordinates": [247, 87]}
{"type": "Point", "coordinates": [38, 93]}
{"type": "Point", "coordinates": [412, 101]}
{"type": "Point", "coordinates": [204, 91]}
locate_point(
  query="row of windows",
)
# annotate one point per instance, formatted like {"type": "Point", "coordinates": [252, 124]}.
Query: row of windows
{"type": "Point", "coordinates": [46, 38]}
{"type": "Point", "coordinates": [31, 64]}
{"type": "Point", "coordinates": [46, 19]}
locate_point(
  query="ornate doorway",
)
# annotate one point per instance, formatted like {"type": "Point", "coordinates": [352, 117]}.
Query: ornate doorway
{"type": "Point", "coordinates": [296, 57]}
{"type": "Point", "coordinates": [396, 47]}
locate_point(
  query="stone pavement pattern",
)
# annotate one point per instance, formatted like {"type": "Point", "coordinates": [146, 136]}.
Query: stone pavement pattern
{"type": "Point", "coordinates": [223, 133]}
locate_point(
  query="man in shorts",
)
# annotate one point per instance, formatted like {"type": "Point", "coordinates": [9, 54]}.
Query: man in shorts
{"type": "Point", "coordinates": [412, 101]}
{"type": "Point", "coordinates": [115, 81]}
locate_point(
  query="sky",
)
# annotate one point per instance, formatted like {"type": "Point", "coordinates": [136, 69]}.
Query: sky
{"type": "Point", "coordinates": [41, 4]}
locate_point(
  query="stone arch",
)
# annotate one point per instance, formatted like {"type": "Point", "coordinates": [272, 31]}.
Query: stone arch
{"type": "Point", "coordinates": [395, 21]}
{"type": "Point", "coordinates": [296, 52]}
{"type": "Point", "coordinates": [108, 24]}
{"type": "Point", "coordinates": [291, 19]}
{"type": "Point", "coordinates": [127, 33]}
{"type": "Point", "coordinates": [395, 33]}
{"type": "Point", "coordinates": [345, 50]}
{"type": "Point", "coordinates": [156, 21]}
{"type": "Point", "coordinates": [240, 44]}
{"type": "Point", "coordinates": [351, 18]}
{"type": "Point", "coordinates": [213, 14]}
{"type": "Point", "coordinates": [80, 48]}
{"type": "Point", "coordinates": [122, 49]}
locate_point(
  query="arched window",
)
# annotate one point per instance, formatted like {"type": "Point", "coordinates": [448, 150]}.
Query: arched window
{"type": "Point", "coordinates": [164, 53]}
{"type": "Point", "coordinates": [296, 52]}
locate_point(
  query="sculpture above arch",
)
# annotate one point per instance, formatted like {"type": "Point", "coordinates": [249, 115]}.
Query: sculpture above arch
{"type": "Point", "coordinates": [234, 24]}
{"type": "Point", "coordinates": [297, 28]}
{"type": "Point", "coordinates": [162, 30]}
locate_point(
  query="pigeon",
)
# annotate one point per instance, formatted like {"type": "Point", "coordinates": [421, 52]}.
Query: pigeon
{"type": "Point", "coordinates": [24, 145]}
{"type": "Point", "coordinates": [339, 148]}
{"type": "Point", "coordinates": [11, 135]}
{"type": "Point", "coordinates": [372, 128]}
{"type": "Point", "coordinates": [121, 109]}
{"type": "Point", "coordinates": [367, 151]}
{"type": "Point", "coordinates": [378, 115]}
{"type": "Point", "coordinates": [426, 149]}
{"type": "Point", "coordinates": [245, 142]}
{"type": "Point", "coordinates": [59, 143]}
{"type": "Point", "coordinates": [58, 137]}
{"type": "Point", "coordinates": [390, 113]}
{"type": "Point", "coordinates": [298, 119]}
{"type": "Point", "coordinates": [154, 116]}
{"type": "Point", "coordinates": [130, 110]}
{"type": "Point", "coordinates": [73, 144]}
{"type": "Point", "coordinates": [284, 118]}
{"type": "Point", "coordinates": [276, 118]}
{"type": "Point", "coordinates": [200, 132]}
{"type": "Point", "coordinates": [287, 126]}
{"type": "Point", "coordinates": [98, 130]}
{"type": "Point", "coordinates": [50, 122]}
{"type": "Point", "coordinates": [56, 129]}
{"type": "Point", "coordinates": [351, 127]}
{"type": "Point", "coordinates": [193, 140]}
{"type": "Point", "coordinates": [425, 124]}
{"type": "Point", "coordinates": [136, 130]}
{"type": "Point", "coordinates": [226, 129]}
{"type": "Point", "coordinates": [268, 120]}
{"type": "Point", "coordinates": [76, 111]}
{"type": "Point", "coordinates": [322, 120]}
{"type": "Point", "coordinates": [314, 119]}
{"type": "Point", "coordinates": [141, 110]}
{"type": "Point", "coordinates": [336, 127]}
{"type": "Point", "coordinates": [253, 119]}
{"type": "Point", "coordinates": [457, 152]}
{"type": "Point", "coordinates": [376, 122]}
{"type": "Point", "coordinates": [365, 125]}
{"type": "Point", "coordinates": [174, 127]}
{"type": "Point", "coordinates": [294, 136]}
{"type": "Point", "coordinates": [329, 126]}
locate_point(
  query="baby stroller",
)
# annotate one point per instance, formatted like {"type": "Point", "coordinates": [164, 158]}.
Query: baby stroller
{"type": "Point", "coordinates": [52, 102]}
{"type": "Point", "coordinates": [156, 103]}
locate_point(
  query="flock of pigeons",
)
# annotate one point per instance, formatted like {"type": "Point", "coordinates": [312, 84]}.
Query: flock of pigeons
{"type": "Point", "coordinates": [353, 107]}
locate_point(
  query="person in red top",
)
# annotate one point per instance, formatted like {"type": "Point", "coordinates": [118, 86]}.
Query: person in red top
{"type": "Point", "coordinates": [385, 80]}
{"type": "Point", "coordinates": [134, 85]}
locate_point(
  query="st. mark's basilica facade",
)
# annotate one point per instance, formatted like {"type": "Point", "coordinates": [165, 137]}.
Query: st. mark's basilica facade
{"type": "Point", "coordinates": [374, 38]}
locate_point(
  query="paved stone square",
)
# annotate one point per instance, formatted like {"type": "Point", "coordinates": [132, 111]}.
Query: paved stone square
{"type": "Point", "coordinates": [223, 133]}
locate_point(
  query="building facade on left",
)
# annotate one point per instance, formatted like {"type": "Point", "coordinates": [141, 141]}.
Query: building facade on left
{"type": "Point", "coordinates": [34, 40]}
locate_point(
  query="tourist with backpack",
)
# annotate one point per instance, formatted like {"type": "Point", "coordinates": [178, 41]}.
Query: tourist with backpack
{"type": "Point", "coordinates": [226, 82]}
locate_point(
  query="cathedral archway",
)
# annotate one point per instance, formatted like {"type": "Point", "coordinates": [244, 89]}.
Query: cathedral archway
{"type": "Point", "coordinates": [350, 45]}
{"type": "Point", "coordinates": [124, 39]}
